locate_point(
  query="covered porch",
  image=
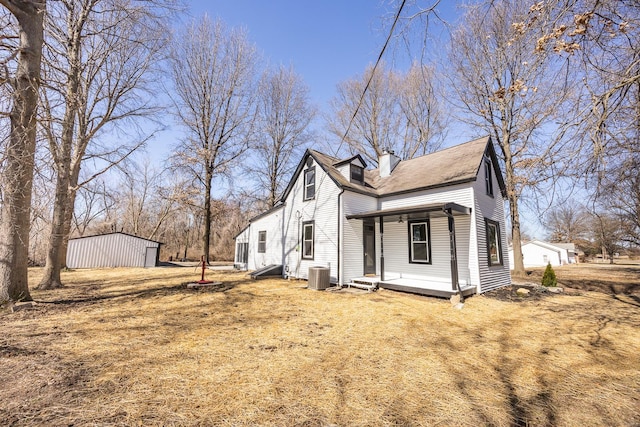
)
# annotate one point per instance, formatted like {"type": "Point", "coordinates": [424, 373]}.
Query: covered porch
{"type": "Point", "coordinates": [419, 254]}
{"type": "Point", "coordinates": [434, 288]}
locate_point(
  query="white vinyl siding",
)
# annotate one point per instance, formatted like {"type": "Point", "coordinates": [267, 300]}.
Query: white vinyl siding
{"type": "Point", "coordinates": [323, 210]}
{"type": "Point", "coordinates": [466, 241]}
{"type": "Point", "coordinates": [463, 250]}
{"type": "Point", "coordinates": [491, 277]}
{"type": "Point", "coordinates": [273, 243]}
{"type": "Point", "coordinates": [352, 255]}
{"type": "Point", "coordinates": [396, 252]}
{"type": "Point", "coordinates": [460, 194]}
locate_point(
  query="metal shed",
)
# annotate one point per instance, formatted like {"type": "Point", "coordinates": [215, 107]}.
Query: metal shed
{"type": "Point", "coordinates": [112, 250]}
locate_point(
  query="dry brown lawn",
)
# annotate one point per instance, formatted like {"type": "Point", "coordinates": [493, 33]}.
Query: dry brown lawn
{"type": "Point", "coordinates": [135, 347]}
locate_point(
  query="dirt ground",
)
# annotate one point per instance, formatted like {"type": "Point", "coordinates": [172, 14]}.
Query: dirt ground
{"type": "Point", "coordinates": [124, 347]}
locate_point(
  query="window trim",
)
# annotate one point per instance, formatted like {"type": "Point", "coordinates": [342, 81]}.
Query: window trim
{"type": "Point", "coordinates": [360, 169]}
{"type": "Point", "coordinates": [410, 224]}
{"type": "Point", "coordinates": [262, 241]}
{"type": "Point", "coordinates": [305, 187]}
{"type": "Point", "coordinates": [487, 225]}
{"type": "Point", "coordinates": [305, 224]}
{"type": "Point", "coordinates": [242, 252]}
{"type": "Point", "coordinates": [488, 177]}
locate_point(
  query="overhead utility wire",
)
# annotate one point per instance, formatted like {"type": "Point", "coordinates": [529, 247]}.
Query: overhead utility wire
{"type": "Point", "coordinates": [373, 72]}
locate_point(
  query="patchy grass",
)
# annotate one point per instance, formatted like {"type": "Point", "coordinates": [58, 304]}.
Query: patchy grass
{"type": "Point", "coordinates": [612, 279]}
{"type": "Point", "coordinates": [135, 347]}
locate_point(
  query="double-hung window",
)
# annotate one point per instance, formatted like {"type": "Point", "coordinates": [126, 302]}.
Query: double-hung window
{"type": "Point", "coordinates": [419, 246]}
{"type": "Point", "coordinates": [262, 242]}
{"type": "Point", "coordinates": [494, 247]}
{"type": "Point", "coordinates": [310, 183]}
{"type": "Point", "coordinates": [307, 239]}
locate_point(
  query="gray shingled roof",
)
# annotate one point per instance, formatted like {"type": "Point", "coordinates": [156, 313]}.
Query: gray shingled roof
{"type": "Point", "coordinates": [450, 166]}
{"type": "Point", "coordinates": [328, 165]}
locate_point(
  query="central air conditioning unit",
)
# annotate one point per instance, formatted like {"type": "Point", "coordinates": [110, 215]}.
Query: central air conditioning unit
{"type": "Point", "coordinates": [318, 278]}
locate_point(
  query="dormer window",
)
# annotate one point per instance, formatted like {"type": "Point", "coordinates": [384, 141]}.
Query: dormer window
{"type": "Point", "coordinates": [357, 174]}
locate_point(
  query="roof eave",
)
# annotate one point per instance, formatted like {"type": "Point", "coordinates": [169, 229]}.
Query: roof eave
{"type": "Point", "coordinates": [428, 187]}
{"type": "Point", "coordinates": [435, 207]}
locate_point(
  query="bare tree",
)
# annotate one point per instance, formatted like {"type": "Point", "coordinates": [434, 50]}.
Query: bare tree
{"type": "Point", "coordinates": [284, 115]}
{"type": "Point", "coordinates": [621, 196]}
{"type": "Point", "coordinates": [507, 90]}
{"type": "Point", "coordinates": [607, 233]}
{"type": "Point", "coordinates": [20, 61]}
{"type": "Point", "coordinates": [372, 122]}
{"type": "Point", "coordinates": [148, 200]}
{"type": "Point", "coordinates": [398, 112]}
{"type": "Point", "coordinates": [422, 112]}
{"type": "Point", "coordinates": [93, 202]}
{"type": "Point", "coordinates": [568, 223]}
{"type": "Point", "coordinates": [99, 55]}
{"type": "Point", "coordinates": [213, 70]}
{"type": "Point", "coordinates": [601, 39]}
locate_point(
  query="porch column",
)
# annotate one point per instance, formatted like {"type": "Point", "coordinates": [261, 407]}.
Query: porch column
{"type": "Point", "coordinates": [381, 250]}
{"type": "Point", "coordinates": [454, 254]}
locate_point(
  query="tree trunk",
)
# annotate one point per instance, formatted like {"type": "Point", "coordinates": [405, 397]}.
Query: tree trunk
{"type": "Point", "coordinates": [516, 237]}
{"type": "Point", "coordinates": [207, 215]}
{"type": "Point", "coordinates": [512, 196]}
{"type": "Point", "coordinates": [51, 276]}
{"type": "Point", "coordinates": [71, 203]}
{"type": "Point", "coordinates": [18, 172]}
{"type": "Point", "coordinates": [62, 157]}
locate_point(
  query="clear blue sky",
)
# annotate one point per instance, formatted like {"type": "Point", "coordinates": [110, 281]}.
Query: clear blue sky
{"type": "Point", "coordinates": [326, 41]}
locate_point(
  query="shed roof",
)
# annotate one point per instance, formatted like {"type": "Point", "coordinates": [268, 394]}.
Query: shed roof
{"type": "Point", "coordinates": [115, 232]}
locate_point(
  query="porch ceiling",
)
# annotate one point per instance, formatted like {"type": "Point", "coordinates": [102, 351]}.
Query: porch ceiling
{"type": "Point", "coordinates": [434, 209]}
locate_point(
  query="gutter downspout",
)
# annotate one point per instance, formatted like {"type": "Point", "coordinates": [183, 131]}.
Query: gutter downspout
{"type": "Point", "coordinates": [340, 230]}
{"type": "Point", "coordinates": [455, 282]}
{"type": "Point", "coordinates": [298, 245]}
{"type": "Point", "coordinates": [381, 218]}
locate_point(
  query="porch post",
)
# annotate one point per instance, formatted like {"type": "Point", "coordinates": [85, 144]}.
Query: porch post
{"type": "Point", "coordinates": [454, 255]}
{"type": "Point", "coordinates": [381, 250]}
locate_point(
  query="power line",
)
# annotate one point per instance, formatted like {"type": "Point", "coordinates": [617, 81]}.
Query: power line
{"type": "Point", "coordinates": [373, 72]}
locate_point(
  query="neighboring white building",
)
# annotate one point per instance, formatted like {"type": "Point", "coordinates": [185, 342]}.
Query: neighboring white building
{"type": "Point", "coordinates": [112, 250]}
{"type": "Point", "coordinates": [433, 224]}
{"type": "Point", "coordinates": [537, 253]}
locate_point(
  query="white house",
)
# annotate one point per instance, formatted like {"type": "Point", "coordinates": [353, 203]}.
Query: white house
{"type": "Point", "coordinates": [431, 225]}
{"type": "Point", "coordinates": [537, 253]}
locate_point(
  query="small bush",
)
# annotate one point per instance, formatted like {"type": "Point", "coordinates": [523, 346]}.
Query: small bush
{"type": "Point", "coordinates": [549, 277]}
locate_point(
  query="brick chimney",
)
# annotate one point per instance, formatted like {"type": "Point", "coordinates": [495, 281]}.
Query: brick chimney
{"type": "Point", "coordinates": [387, 162]}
